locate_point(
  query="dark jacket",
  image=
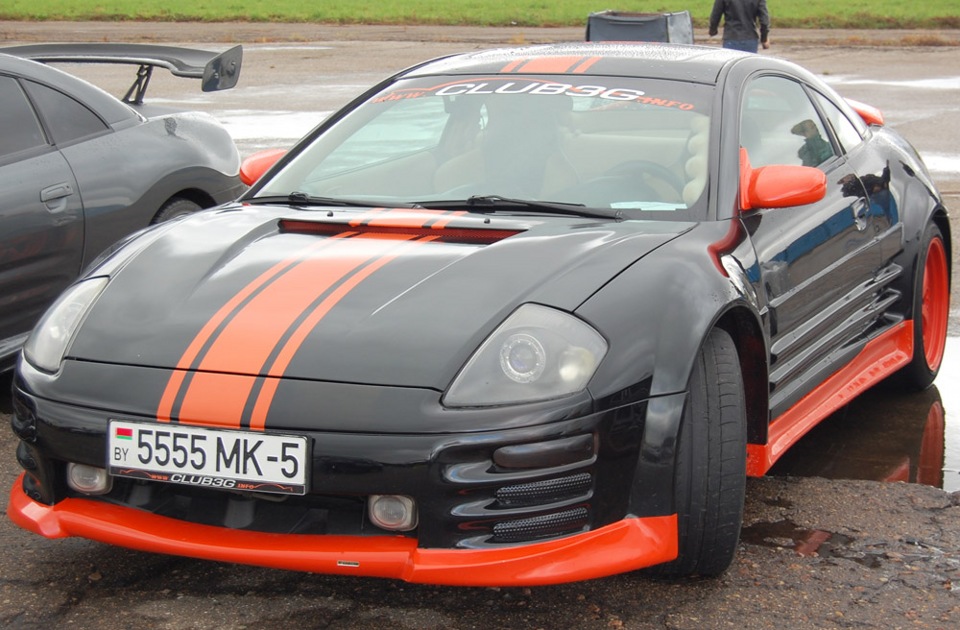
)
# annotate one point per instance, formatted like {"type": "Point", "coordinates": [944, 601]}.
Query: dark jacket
{"type": "Point", "coordinates": [740, 18]}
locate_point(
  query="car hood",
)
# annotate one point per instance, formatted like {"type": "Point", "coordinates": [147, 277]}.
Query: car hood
{"type": "Point", "coordinates": [387, 297]}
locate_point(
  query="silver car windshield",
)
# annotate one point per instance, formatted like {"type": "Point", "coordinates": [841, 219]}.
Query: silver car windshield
{"type": "Point", "coordinates": [636, 145]}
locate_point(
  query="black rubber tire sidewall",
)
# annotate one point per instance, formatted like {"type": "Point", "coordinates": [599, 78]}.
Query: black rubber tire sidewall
{"type": "Point", "coordinates": [174, 208]}
{"type": "Point", "coordinates": [710, 480]}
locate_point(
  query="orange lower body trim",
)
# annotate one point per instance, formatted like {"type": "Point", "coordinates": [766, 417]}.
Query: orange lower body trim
{"type": "Point", "coordinates": [879, 359]}
{"type": "Point", "coordinates": [632, 543]}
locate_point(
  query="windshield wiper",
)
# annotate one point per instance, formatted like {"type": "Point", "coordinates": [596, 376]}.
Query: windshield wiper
{"type": "Point", "coordinates": [302, 199]}
{"type": "Point", "coordinates": [494, 202]}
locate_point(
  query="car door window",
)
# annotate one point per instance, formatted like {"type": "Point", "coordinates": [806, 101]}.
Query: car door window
{"type": "Point", "coordinates": [65, 117]}
{"type": "Point", "coordinates": [19, 128]}
{"type": "Point", "coordinates": [780, 125]}
{"type": "Point", "coordinates": [397, 132]}
{"type": "Point", "coordinates": [847, 133]}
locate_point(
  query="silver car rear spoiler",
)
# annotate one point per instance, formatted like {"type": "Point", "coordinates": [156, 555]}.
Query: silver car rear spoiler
{"type": "Point", "coordinates": [218, 71]}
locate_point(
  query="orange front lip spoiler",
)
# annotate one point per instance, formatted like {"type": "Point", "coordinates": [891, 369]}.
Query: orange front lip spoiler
{"type": "Point", "coordinates": [626, 545]}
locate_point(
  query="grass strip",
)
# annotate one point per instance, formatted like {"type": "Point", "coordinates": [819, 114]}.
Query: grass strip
{"type": "Point", "coordinates": [820, 14]}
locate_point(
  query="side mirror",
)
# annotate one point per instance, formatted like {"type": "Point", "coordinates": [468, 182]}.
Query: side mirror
{"type": "Point", "coordinates": [870, 114]}
{"type": "Point", "coordinates": [779, 185]}
{"type": "Point", "coordinates": [259, 163]}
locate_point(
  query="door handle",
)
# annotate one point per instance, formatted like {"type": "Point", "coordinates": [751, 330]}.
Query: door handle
{"type": "Point", "coordinates": [861, 212]}
{"type": "Point", "coordinates": [52, 194]}
{"type": "Point", "coordinates": [57, 191]}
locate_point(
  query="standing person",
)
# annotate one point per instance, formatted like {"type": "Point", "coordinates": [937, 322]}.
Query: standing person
{"type": "Point", "coordinates": [740, 19]}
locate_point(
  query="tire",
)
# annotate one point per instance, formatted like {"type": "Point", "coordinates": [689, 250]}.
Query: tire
{"type": "Point", "coordinates": [711, 460]}
{"type": "Point", "coordinates": [176, 207]}
{"type": "Point", "coordinates": [931, 312]}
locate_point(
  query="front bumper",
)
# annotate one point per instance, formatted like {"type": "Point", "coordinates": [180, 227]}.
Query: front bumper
{"type": "Point", "coordinates": [562, 493]}
{"type": "Point", "coordinates": [629, 544]}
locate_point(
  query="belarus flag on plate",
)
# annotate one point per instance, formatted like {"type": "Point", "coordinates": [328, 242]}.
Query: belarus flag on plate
{"type": "Point", "coordinates": [124, 434]}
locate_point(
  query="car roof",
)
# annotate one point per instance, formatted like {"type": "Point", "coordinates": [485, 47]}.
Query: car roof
{"type": "Point", "coordinates": [698, 64]}
{"type": "Point", "coordinates": [108, 107]}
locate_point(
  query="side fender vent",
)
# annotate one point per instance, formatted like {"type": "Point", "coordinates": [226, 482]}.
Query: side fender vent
{"type": "Point", "coordinates": [545, 526]}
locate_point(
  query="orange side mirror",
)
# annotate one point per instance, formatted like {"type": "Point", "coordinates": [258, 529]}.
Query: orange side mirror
{"type": "Point", "coordinates": [779, 185]}
{"type": "Point", "coordinates": [870, 114]}
{"type": "Point", "coordinates": [259, 163]}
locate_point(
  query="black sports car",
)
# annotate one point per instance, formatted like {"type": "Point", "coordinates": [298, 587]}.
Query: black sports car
{"type": "Point", "coordinates": [512, 317]}
{"type": "Point", "coordinates": [81, 169]}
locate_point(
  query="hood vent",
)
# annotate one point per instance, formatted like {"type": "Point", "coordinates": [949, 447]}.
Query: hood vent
{"type": "Point", "coordinates": [443, 234]}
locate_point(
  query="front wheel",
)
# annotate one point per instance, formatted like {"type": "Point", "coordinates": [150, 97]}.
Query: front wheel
{"type": "Point", "coordinates": [176, 207]}
{"type": "Point", "coordinates": [711, 460]}
{"type": "Point", "coordinates": [931, 311]}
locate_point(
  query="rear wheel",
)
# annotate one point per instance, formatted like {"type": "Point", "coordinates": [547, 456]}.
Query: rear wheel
{"type": "Point", "coordinates": [931, 311]}
{"type": "Point", "coordinates": [176, 207]}
{"type": "Point", "coordinates": [710, 478]}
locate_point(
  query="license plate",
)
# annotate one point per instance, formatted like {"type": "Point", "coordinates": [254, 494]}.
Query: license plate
{"type": "Point", "coordinates": [213, 458]}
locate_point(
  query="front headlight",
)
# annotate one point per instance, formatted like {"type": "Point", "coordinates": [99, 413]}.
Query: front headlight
{"type": "Point", "coordinates": [48, 343]}
{"type": "Point", "coordinates": [538, 353]}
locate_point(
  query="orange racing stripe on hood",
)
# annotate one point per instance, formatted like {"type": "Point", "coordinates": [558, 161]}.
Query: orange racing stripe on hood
{"type": "Point", "coordinates": [224, 373]}
{"type": "Point", "coordinates": [279, 365]}
{"type": "Point", "coordinates": [209, 329]}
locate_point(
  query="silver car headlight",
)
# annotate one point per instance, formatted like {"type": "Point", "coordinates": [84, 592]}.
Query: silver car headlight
{"type": "Point", "coordinates": [47, 344]}
{"type": "Point", "coordinates": [538, 353]}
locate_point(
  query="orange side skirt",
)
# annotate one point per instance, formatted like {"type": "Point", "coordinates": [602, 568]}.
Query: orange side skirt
{"type": "Point", "coordinates": [880, 358]}
{"type": "Point", "coordinates": [632, 543]}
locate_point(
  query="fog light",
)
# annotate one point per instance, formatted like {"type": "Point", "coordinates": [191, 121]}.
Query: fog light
{"type": "Point", "coordinates": [88, 479]}
{"type": "Point", "coordinates": [392, 511]}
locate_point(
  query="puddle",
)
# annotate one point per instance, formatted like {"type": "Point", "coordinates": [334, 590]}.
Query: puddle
{"type": "Point", "coordinates": [887, 435]}
{"type": "Point", "coordinates": [806, 542]}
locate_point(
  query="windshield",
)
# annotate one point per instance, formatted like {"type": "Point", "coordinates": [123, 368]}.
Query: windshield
{"type": "Point", "coordinates": [633, 145]}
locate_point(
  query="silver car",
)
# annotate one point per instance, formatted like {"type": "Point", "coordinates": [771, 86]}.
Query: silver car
{"type": "Point", "coordinates": [80, 169]}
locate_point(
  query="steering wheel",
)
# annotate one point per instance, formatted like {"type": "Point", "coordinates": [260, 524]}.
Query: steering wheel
{"type": "Point", "coordinates": [638, 168]}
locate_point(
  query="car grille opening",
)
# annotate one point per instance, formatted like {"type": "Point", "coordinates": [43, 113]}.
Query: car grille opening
{"type": "Point", "coordinates": [544, 526]}
{"type": "Point", "coordinates": [546, 491]}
